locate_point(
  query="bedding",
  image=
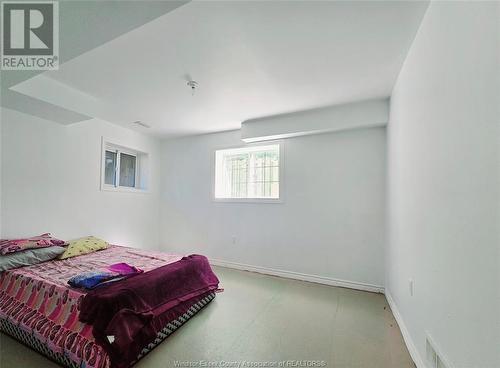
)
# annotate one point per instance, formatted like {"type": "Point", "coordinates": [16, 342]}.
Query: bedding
{"type": "Point", "coordinates": [37, 300]}
{"type": "Point", "coordinates": [166, 330]}
{"type": "Point", "coordinates": [29, 257]}
{"type": "Point", "coordinates": [124, 315]}
{"type": "Point", "coordinates": [17, 245]}
{"type": "Point", "coordinates": [86, 245]}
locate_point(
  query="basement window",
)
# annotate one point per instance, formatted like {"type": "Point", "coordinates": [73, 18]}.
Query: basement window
{"type": "Point", "coordinates": [249, 174]}
{"type": "Point", "coordinates": [123, 169]}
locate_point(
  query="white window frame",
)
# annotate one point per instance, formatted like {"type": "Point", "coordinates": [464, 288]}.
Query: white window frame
{"type": "Point", "coordinates": [281, 172]}
{"type": "Point", "coordinates": [113, 147]}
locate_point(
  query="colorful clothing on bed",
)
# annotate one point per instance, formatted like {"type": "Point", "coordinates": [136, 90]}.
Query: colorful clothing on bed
{"type": "Point", "coordinates": [90, 280]}
{"type": "Point", "coordinates": [124, 269]}
{"type": "Point", "coordinates": [38, 300]}
{"type": "Point", "coordinates": [93, 279]}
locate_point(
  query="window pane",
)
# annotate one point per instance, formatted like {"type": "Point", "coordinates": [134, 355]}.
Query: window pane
{"type": "Point", "coordinates": [236, 179]}
{"type": "Point", "coordinates": [109, 168]}
{"type": "Point", "coordinates": [275, 176]}
{"type": "Point", "coordinates": [275, 190]}
{"type": "Point", "coordinates": [127, 170]}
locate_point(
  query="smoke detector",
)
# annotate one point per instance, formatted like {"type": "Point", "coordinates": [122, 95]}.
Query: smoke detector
{"type": "Point", "coordinates": [193, 85]}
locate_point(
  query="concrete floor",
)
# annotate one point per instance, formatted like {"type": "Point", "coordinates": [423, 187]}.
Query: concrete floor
{"type": "Point", "coordinates": [268, 319]}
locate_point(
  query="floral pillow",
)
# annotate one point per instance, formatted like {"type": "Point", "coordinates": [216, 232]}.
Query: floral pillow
{"type": "Point", "coordinates": [17, 245]}
{"type": "Point", "coordinates": [86, 245]}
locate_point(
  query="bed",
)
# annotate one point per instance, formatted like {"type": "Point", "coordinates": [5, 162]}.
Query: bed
{"type": "Point", "coordinates": [38, 308]}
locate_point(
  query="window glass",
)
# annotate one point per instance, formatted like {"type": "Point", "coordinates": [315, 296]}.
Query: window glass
{"type": "Point", "coordinates": [110, 168]}
{"type": "Point", "coordinates": [127, 170]}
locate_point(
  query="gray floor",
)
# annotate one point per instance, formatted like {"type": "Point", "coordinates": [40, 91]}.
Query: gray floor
{"type": "Point", "coordinates": [268, 319]}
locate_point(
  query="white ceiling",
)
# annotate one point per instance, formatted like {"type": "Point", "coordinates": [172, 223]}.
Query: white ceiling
{"type": "Point", "coordinates": [83, 25]}
{"type": "Point", "coordinates": [251, 59]}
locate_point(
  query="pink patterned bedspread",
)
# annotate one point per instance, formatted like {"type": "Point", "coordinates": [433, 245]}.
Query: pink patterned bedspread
{"type": "Point", "coordinates": [38, 299]}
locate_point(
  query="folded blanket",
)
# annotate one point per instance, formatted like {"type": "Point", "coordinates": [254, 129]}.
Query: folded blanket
{"type": "Point", "coordinates": [127, 310]}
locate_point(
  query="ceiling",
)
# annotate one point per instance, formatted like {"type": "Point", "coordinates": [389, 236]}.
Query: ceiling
{"type": "Point", "coordinates": [251, 59]}
{"type": "Point", "coordinates": [83, 25]}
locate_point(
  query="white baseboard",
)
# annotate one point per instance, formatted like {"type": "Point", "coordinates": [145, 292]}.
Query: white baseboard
{"type": "Point", "coordinates": [415, 355]}
{"type": "Point", "coordinates": [299, 276]}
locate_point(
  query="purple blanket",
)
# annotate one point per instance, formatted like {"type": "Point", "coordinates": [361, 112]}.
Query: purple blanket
{"type": "Point", "coordinates": [124, 315]}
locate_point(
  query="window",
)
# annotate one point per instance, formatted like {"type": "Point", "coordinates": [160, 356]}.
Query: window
{"type": "Point", "coordinates": [248, 173]}
{"type": "Point", "coordinates": [123, 168]}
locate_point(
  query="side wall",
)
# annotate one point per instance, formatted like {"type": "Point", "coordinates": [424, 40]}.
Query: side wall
{"type": "Point", "coordinates": [331, 223]}
{"type": "Point", "coordinates": [443, 185]}
{"type": "Point", "coordinates": [51, 182]}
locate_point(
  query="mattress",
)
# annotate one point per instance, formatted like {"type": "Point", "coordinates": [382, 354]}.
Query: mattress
{"type": "Point", "coordinates": [63, 359]}
{"type": "Point", "coordinates": [38, 308]}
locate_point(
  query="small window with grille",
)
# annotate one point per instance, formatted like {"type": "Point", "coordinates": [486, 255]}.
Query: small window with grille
{"type": "Point", "coordinates": [248, 173]}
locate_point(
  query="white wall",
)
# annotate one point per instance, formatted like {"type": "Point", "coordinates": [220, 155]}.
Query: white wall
{"type": "Point", "coordinates": [331, 223]}
{"type": "Point", "coordinates": [51, 182]}
{"type": "Point", "coordinates": [443, 185]}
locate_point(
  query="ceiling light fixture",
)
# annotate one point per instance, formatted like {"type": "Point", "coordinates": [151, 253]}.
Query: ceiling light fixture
{"type": "Point", "coordinates": [193, 84]}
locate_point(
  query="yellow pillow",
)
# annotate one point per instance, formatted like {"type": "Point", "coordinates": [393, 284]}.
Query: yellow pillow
{"type": "Point", "coordinates": [86, 245]}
